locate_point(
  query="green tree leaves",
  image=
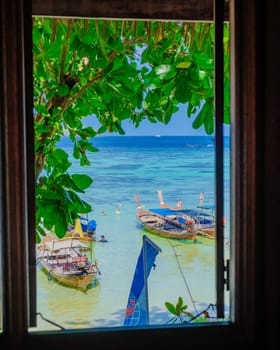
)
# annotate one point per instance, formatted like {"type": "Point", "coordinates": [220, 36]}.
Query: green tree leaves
{"type": "Point", "coordinates": [205, 117]}
{"type": "Point", "coordinates": [112, 71]}
{"type": "Point", "coordinates": [179, 310]}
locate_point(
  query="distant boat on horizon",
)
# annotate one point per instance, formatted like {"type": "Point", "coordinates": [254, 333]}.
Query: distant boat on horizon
{"type": "Point", "coordinates": [157, 135]}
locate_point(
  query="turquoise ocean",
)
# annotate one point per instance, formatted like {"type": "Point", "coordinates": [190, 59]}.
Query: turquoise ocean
{"type": "Point", "coordinates": [182, 167]}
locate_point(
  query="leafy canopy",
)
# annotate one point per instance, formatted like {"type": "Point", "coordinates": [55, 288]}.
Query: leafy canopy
{"type": "Point", "coordinates": [111, 71]}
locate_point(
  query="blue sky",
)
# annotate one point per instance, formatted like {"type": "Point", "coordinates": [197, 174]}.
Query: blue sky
{"type": "Point", "coordinates": [179, 124]}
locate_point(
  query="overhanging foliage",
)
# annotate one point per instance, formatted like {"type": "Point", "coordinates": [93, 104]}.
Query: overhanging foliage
{"type": "Point", "coordinates": [112, 71]}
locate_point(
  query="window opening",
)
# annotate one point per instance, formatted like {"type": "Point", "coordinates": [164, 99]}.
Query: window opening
{"type": "Point", "coordinates": [152, 165]}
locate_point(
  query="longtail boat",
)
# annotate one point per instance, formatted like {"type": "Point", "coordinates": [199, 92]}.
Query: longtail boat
{"type": "Point", "coordinates": [203, 215]}
{"type": "Point", "coordinates": [65, 261]}
{"type": "Point", "coordinates": [164, 227]}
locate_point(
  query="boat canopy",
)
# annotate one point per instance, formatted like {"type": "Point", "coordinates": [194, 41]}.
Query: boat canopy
{"type": "Point", "coordinates": [56, 245]}
{"type": "Point", "coordinates": [190, 212]}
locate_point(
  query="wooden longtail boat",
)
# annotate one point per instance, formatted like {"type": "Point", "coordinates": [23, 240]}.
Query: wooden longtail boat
{"type": "Point", "coordinates": [163, 226]}
{"type": "Point", "coordinates": [203, 216]}
{"type": "Point", "coordinates": [201, 221]}
{"type": "Point", "coordinates": [65, 261]}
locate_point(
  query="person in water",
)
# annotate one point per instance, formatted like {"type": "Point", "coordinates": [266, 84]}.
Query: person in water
{"type": "Point", "coordinates": [179, 204]}
{"type": "Point", "coordinates": [103, 239]}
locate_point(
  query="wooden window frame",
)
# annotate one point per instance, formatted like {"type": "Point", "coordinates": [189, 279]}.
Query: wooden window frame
{"type": "Point", "coordinates": [17, 190]}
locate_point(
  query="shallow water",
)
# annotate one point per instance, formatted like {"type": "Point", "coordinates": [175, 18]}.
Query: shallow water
{"type": "Point", "coordinates": [182, 168]}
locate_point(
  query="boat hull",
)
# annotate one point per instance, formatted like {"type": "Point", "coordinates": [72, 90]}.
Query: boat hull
{"type": "Point", "coordinates": [162, 226]}
{"type": "Point", "coordinates": [76, 279]}
{"type": "Point", "coordinates": [65, 261]}
{"type": "Point", "coordinates": [207, 232]}
{"type": "Point", "coordinates": [203, 215]}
